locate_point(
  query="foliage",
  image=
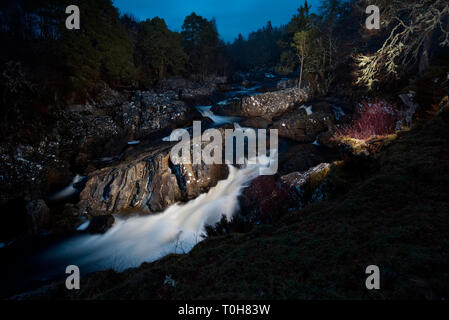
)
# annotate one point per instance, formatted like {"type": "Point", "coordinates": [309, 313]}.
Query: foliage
{"type": "Point", "coordinates": [259, 50]}
{"type": "Point", "coordinates": [415, 26]}
{"type": "Point", "coordinates": [236, 224]}
{"type": "Point", "coordinates": [159, 52]}
{"type": "Point", "coordinates": [301, 42]}
{"type": "Point", "coordinates": [372, 119]}
{"type": "Point", "coordinates": [201, 43]}
{"type": "Point", "coordinates": [35, 34]}
{"type": "Point", "coordinates": [100, 50]}
{"type": "Point", "coordinates": [299, 22]}
{"type": "Point", "coordinates": [310, 44]}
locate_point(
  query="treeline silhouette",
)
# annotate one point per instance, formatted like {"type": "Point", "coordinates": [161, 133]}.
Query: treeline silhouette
{"type": "Point", "coordinates": [41, 57]}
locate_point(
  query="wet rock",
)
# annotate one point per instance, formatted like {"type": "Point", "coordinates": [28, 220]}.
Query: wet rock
{"type": "Point", "coordinates": [229, 107]}
{"type": "Point", "coordinates": [101, 224]}
{"type": "Point", "coordinates": [38, 215]}
{"type": "Point", "coordinates": [304, 123]}
{"type": "Point", "coordinates": [265, 105]}
{"type": "Point", "coordinates": [149, 112]}
{"type": "Point", "coordinates": [271, 104]}
{"type": "Point", "coordinates": [304, 187]}
{"type": "Point", "coordinates": [257, 122]}
{"type": "Point", "coordinates": [151, 183]}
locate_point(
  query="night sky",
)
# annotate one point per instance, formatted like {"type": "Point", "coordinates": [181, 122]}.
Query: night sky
{"type": "Point", "coordinates": [232, 16]}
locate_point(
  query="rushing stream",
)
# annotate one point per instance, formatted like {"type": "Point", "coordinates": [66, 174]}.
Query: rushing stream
{"type": "Point", "coordinates": [134, 240]}
{"type": "Point", "coordinates": [146, 238]}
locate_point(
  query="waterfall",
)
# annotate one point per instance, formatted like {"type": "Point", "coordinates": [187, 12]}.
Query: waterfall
{"type": "Point", "coordinates": [218, 120]}
{"type": "Point", "coordinates": [146, 238]}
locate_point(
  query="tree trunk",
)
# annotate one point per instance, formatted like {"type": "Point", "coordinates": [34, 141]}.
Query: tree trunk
{"type": "Point", "coordinates": [424, 61]}
{"type": "Point", "coordinates": [300, 72]}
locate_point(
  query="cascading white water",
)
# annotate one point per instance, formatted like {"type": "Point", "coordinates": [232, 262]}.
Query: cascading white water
{"type": "Point", "coordinates": [146, 238]}
{"type": "Point", "coordinates": [178, 229]}
{"type": "Point", "coordinates": [206, 112]}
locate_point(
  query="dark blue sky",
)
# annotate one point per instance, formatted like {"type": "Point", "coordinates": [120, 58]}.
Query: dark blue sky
{"type": "Point", "coordinates": [232, 16]}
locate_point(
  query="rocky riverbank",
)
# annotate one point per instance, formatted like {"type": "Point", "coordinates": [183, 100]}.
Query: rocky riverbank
{"type": "Point", "coordinates": [118, 150]}
{"type": "Point", "coordinates": [380, 208]}
{"type": "Point", "coordinates": [42, 158]}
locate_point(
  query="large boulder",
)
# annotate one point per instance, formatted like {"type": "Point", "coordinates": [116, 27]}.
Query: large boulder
{"type": "Point", "coordinates": [38, 215]}
{"type": "Point", "coordinates": [149, 112]}
{"type": "Point", "coordinates": [304, 187]}
{"type": "Point", "coordinates": [150, 183]}
{"type": "Point", "coordinates": [271, 104]}
{"type": "Point", "coordinates": [265, 105]}
{"type": "Point", "coordinates": [101, 224]}
{"type": "Point", "coordinates": [305, 122]}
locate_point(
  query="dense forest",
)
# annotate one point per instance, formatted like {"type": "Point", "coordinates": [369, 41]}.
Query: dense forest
{"type": "Point", "coordinates": [45, 60]}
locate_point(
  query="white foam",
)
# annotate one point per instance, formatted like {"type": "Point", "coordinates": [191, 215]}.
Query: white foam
{"type": "Point", "coordinates": [207, 113]}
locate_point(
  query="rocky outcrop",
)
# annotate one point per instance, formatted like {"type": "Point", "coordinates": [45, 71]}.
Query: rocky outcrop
{"type": "Point", "coordinates": [149, 183]}
{"type": "Point", "coordinates": [271, 104]}
{"type": "Point", "coordinates": [268, 196]}
{"type": "Point", "coordinates": [80, 135]}
{"type": "Point", "coordinates": [304, 187]}
{"type": "Point", "coordinates": [266, 105]}
{"type": "Point", "coordinates": [101, 224]}
{"type": "Point", "coordinates": [194, 91]}
{"type": "Point", "coordinates": [304, 123]}
{"type": "Point", "coordinates": [149, 112]}
{"type": "Point", "coordinates": [29, 172]}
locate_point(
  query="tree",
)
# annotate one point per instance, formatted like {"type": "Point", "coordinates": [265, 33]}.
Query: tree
{"type": "Point", "coordinates": [200, 39]}
{"type": "Point", "coordinates": [415, 26]}
{"type": "Point", "coordinates": [301, 42]}
{"type": "Point", "coordinates": [259, 50]}
{"type": "Point", "coordinates": [67, 62]}
{"type": "Point", "coordinates": [159, 52]}
{"type": "Point", "coordinates": [299, 22]}
{"type": "Point", "coordinates": [100, 50]}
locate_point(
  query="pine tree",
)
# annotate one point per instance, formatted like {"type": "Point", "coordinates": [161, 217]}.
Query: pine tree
{"type": "Point", "coordinates": [159, 52]}
{"type": "Point", "coordinates": [200, 39]}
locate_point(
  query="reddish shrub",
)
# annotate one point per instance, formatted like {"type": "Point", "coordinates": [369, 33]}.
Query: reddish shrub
{"type": "Point", "coordinates": [372, 119]}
